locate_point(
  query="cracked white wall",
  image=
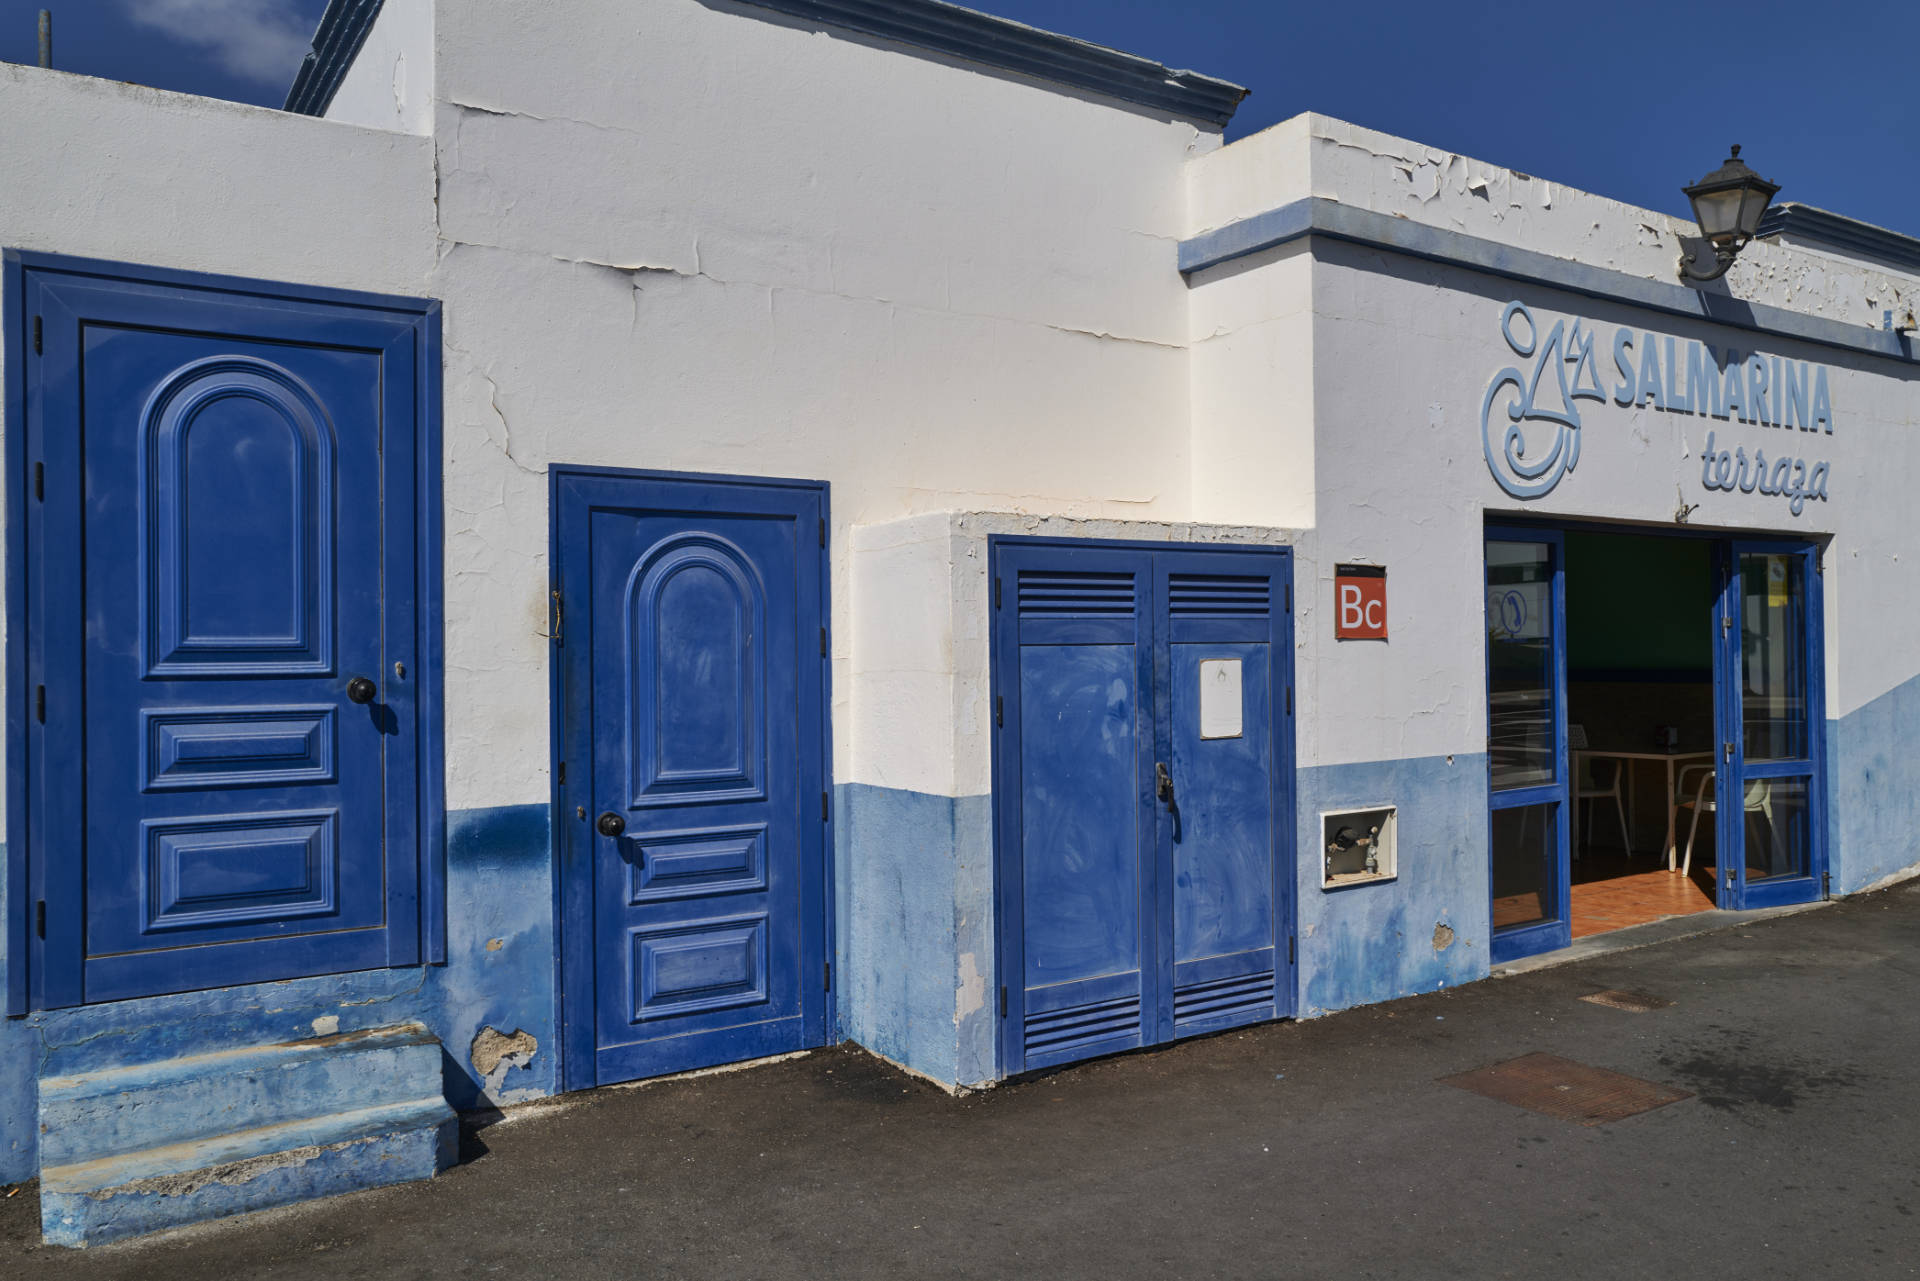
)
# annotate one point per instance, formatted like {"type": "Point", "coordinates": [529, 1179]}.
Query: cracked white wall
{"type": "Point", "coordinates": [1376, 171]}
{"type": "Point", "coordinates": [676, 237]}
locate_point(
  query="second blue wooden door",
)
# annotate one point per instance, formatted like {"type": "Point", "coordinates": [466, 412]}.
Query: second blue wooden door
{"type": "Point", "coordinates": [693, 807]}
{"type": "Point", "coordinates": [1144, 809]}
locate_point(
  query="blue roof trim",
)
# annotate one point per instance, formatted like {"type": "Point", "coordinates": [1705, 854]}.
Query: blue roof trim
{"type": "Point", "coordinates": [1013, 46]}
{"type": "Point", "coordinates": [336, 42]}
{"type": "Point", "coordinates": [1316, 216]}
{"type": "Point", "coordinates": [1841, 234]}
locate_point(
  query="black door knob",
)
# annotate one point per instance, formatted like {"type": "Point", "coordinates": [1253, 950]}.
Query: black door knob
{"type": "Point", "coordinates": [361, 690]}
{"type": "Point", "coordinates": [610, 824]}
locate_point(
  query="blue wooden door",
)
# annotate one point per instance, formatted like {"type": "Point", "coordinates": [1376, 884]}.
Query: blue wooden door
{"type": "Point", "coordinates": [225, 726]}
{"type": "Point", "coordinates": [1769, 794]}
{"type": "Point", "coordinates": [694, 810]}
{"type": "Point", "coordinates": [1142, 795]}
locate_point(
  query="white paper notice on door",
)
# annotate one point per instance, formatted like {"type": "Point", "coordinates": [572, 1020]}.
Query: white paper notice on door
{"type": "Point", "coordinates": [1220, 715]}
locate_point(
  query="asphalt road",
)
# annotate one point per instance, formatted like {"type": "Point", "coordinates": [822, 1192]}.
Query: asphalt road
{"type": "Point", "coordinates": [1320, 1149]}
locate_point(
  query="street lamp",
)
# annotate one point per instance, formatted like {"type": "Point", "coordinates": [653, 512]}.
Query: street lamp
{"type": "Point", "coordinates": [1727, 204]}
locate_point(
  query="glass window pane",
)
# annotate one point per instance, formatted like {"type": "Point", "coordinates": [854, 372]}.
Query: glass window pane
{"type": "Point", "coordinates": [1778, 827]}
{"type": "Point", "coordinates": [1773, 643]}
{"type": "Point", "coordinates": [1525, 854]}
{"type": "Point", "coordinates": [1520, 746]}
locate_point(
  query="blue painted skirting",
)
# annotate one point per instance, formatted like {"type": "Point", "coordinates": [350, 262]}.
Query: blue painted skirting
{"type": "Point", "coordinates": [915, 880]}
{"type": "Point", "coordinates": [499, 974]}
{"type": "Point", "coordinates": [915, 951]}
{"type": "Point", "coordinates": [1375, 942]}
{"type": "Point", "coordinates": [1874, 781]}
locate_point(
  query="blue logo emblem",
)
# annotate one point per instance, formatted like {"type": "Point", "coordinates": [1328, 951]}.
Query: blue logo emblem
{"type": "Point", "coordinates": [1540, 441]}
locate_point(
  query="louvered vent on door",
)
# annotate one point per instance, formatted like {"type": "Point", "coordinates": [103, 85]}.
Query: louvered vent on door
{"type": "Point", "coordinates": [1046, 593]}
{"type": "Point", "coordinates": [1083, 1025]}
{"type": "Point", "coordinates": [1219, 596]}
{"type": "Point", "coordinates": [1240, 994]}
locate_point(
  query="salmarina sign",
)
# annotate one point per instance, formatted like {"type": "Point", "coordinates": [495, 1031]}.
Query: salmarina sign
{"type": "Point", "coordinates": [1540, 440]}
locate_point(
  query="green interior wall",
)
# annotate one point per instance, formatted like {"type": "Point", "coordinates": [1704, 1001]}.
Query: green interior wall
{"type": "Point", "coordinates": [1639, 604]}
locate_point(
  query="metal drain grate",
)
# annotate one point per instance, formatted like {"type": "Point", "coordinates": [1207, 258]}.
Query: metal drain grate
{"type": "Point", "coordinates": [1631, 1002]}
{"type": "Point", "coordinates": [1553, 1086]}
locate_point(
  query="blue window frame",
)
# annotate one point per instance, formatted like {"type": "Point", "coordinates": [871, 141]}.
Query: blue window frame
{"type": "Point", "coordinates": [1770, 793]}
{"type": "Point", "coordinates": [1528, 810]}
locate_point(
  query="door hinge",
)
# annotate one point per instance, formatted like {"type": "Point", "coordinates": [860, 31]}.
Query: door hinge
{"type": "Point", "coordinates": [1727, 749]}
{"type": "Point", "coordinates": [823, 531]}
{"type": "Point", "coordinates": [40, 703]}
{"type": "Point", "coordinates": [827, 977]}
{"type": "Point", "coordinates": [823, 642]}
{"type": "Point", "coordinates": [1826, 885]}
{"type": "Point", "coordinates": [1726, 624]}
{"type": "Point", "coordinates": [40, 481]}
{"type": "Point", "coordinates": [562, 780]}
{"type": "Point", "coordinates": [554, 633]}
{"type": "Point", "coordinates": [1289, 606]}
{"type": "Point", "coordinates": [1291, 941]}
{"type": "Point", "coordinates": [1289, 700]}
{"type": "Point", "coordinates": [825, 799]}
{"type": "Point", "coordinates": [1003, 1001]}
{"type": "Point", "coordinates": [996, 592]}
{"type": "Point", "coordinates": [999, 710]}
{"type": "Point", "coordinates": [39, 342]}
{"type": "Point", "coordinates": [40, 918]}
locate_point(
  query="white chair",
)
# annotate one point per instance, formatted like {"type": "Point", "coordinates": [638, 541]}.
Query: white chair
{"type": "Point", "coordinates": [1587, 786]}
{"type": "Point", "coordinates": [1757, 799]}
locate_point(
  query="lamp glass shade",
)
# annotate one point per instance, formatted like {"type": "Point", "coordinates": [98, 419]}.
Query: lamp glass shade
{"type": "Point", "coordinates": [1720, 213]}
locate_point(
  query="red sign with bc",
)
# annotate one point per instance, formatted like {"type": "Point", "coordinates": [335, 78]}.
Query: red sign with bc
{"type": "Point", "coordinates": [1359, 602]}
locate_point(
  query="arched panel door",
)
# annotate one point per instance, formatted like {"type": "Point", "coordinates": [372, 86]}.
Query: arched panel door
{"type": "Point", "coordinates": [693, 809]}
{"type": "Point", "coordinates": [227, 734]}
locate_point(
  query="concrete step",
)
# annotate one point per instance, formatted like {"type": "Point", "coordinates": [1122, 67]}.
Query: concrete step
{"type": "Point", "coordinates": [90, 1115]}
{"type": "Point", "coordinates": [129, 1149]}
{"type": "Point", "coordinates": [105, 1200]}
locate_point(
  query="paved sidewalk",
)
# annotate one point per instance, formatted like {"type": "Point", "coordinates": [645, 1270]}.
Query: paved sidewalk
{"type": "Point", "coordinates": [1320, 1149]}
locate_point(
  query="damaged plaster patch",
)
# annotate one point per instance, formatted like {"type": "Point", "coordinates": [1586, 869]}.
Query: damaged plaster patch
{"type": "Point", "coordinates": [493, 1053]}
{"type": "Point", "coordinates": [973, 989]}
{"type": "Point", "coordinates": [326, 1025]}
{"type": "Point", "coordinates": [1442, 937]}
{"type": "Point", "coordinates": [230, 1174]}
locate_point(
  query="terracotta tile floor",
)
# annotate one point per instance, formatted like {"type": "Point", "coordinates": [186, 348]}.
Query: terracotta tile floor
{"type": "Point", "coordinates": [1611, 892]}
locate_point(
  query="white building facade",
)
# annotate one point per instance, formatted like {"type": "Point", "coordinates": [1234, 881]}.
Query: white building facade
{"type": "Point", "coordinates": [1068, 428]}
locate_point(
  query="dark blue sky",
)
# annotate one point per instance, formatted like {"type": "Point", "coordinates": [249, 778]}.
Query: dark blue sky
{"type": "Point", "coordinates": [1630, 98]}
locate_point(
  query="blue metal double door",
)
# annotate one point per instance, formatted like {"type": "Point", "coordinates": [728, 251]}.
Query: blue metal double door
{"type": "Point", "coordinates": [692, 805]}
{"type": "Point", "coordinates": [1144, 805]}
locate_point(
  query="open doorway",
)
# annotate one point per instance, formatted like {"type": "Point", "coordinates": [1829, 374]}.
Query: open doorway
{"type": "Point", "coordinates": [1654, 728]}
{"type": "Point", "coordinates": [1640, 728]}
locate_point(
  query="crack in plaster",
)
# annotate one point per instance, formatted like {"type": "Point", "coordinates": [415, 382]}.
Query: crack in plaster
{"type": "Point", "coordinates": [698, 271]}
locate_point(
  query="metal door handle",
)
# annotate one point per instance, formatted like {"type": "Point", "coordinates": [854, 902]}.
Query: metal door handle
{"type": "Point", "coordinates": [610, 824]}
{"type": "Point", "coordinates": [1162, 783]}
{"type": "Point", "coordinates": [361, 690]}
